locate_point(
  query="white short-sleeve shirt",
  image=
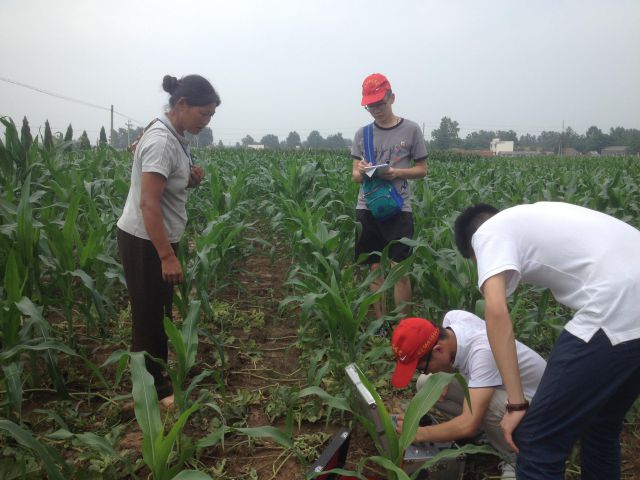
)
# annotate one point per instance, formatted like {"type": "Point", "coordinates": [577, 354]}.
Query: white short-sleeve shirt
{"type": "Point", "coordinates": [474, 359]}
{"type": "Point", "coordinates": [160, 150]}
{"type": "Point", "coordinates": [590, 261]}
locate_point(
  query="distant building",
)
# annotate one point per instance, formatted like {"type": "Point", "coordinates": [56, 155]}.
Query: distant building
{"type": "Point", "coordinates": [570, 152]}
{"type": "Point", "coordinates": [498, 146]}
{"type": "Point", "coordinates": [617, 151]}
{"type": "Point", "coordinates": [256, 146]}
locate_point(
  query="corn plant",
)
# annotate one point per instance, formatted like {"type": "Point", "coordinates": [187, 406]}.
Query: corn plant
{"type": "Point", "coordinates": [52, 461]}
{"type": "Point", "coordinates": [218, 249]}
{"type": "Point", "coordinates": [34, 338]}
{"type": "Point", "coordinates": [157, 447]}
{"type": "Point", "coordinates": [185, 345]}
{"type": "Point", "coordinates": [340, 304]}
{"type": "Point", "coordinates": [391, 452]}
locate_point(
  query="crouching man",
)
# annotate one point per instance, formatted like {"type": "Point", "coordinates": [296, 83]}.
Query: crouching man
{"type": "Point", "coordinates": [461, 345]}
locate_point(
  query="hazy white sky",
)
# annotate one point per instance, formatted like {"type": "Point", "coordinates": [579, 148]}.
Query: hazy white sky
{"type": "Point", "coordinates": [283, 65]}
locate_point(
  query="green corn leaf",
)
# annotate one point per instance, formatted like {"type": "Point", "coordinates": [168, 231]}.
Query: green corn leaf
{"type": "Point", "coordinates": [396, 472]}
{"type": "Point", "coordinates": [335, 402]}
{"type": "Point", "coordinates": [267, 432]}
{"type": "Point", "coordinates": [51, 460]}
{"type": "Point", "coordinates": [338, 471]}
{"type": "Point", "coordinates": [390, 433]}
{"type": "Point", "coordinates": [13, 284]}
{"type": "Point", "coordinates": [91, 440]}
{"type": "Point", "coordinates": [165, 443]}
{"type": "Point", "coordinates": [38, 347]}
{"type": "Point", "coordinates": [422, 402]}
{"type": "Point", "coordinates": [453, 453]}
{"type": "Point", "coordinates": [178, 345]}
{"type": "Point", "coordinates": [192, 475]}
{"type": "Point", "coordinates": [41, 327]}
{"type": "Point", "coordinates": [215, 437]}
{"type": "Point", "coordinates": [190, 333]}
{"type": "Point", "coordinates": [146, 408]}
{"type": "Point", "coordinates": [13, 382]}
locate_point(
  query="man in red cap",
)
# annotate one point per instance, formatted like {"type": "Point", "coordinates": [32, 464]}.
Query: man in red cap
{"type": "Point", "coordinates": [399, 143]}
{"type": "Point", "coordinates": [461, 345]}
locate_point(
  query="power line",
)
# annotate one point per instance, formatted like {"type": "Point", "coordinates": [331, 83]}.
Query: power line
{"type": "Point", "coordinates": [69, 99]}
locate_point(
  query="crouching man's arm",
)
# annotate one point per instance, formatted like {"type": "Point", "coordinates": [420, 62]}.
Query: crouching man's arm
{"type": "Point", "coordinates": [464, 425]}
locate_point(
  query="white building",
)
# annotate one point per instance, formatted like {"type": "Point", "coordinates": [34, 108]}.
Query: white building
{"type": "Point", "coordinates": [256, 146]}
{"type": "Point", "coordinates": [498, 146]}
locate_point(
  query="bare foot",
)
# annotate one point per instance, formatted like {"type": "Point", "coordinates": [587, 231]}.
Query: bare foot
{"type": "Point", "coordinates": [167, 402]}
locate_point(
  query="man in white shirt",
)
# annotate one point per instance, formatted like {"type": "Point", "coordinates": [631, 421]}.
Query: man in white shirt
{"type": "Point", "coordinates": [591, 263]}
{"type": "Point", "coordinates": [461, 345]}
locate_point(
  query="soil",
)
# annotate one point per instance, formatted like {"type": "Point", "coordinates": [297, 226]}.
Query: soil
{"type": "Point", "coordinates": [260, 289]}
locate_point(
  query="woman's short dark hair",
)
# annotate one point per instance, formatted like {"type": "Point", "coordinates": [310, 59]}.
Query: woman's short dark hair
{"type": "Point", "coordinates": [196, 90]}
{"type": "Point", "coordinates": [468, 222]}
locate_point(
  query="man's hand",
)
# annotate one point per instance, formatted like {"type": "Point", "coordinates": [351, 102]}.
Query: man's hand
{"type": "Point", "coordinates": [388, 173]}
{"type": "Point", "coordinates": [196, 176]}
{"type": "Point", "coordinates": [171, 269]}
{"type": "Point", "coordinates": [421, 433]}
{"type": "Point", "coordinates": [361, 166]}
{"type": "Point", "coordinates": [508, 424]}
{"type": "Point", "coordinates": [399, 422]}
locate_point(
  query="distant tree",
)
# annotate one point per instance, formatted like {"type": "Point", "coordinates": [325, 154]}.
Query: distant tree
{"type": "Point", "coordinates": [68, 139]}
{"type": "Point", "coordinates": [84, 144]}
{"type": "Point", "coordinates": [238, 145]}
{"type": "Point", "coordinates": [335, 141]}
{"type": "Point", "coordinates": [594, 139]}
{"type": "Point", "coordinates": [293, 140]}
{"type": "Point", "coordinates": [528, 141]}
{"type": "Point", "coordinates": [220, 144]}
{"type": "Point", "coordinates": [571, 139]}
{"type": "Point", "coordinates": [314, 140]}
{"type": "Point", "coordinates": [270, 141]}
{"type": "Point", "coordinates": [248, 140]}
{"type": "Point", "coordinates": [48, 138]}
{"type": "Point", "coordinates": [634, 141]}
{"type": "Point", "coordinates": [549, 141]}
{"type": "Point", "coordinates": [202, 139]}
{"type": "Point", "coordinates": [25, 134]}
{"type": "Point", "coordinates": [68, 136]}
{"type": "Point", "coordinates": [447, 135]}
{"type": "Point", "coordinates": [102, 141]}
{"type": "Point", "coordinates": [507, 135]}
{"type": "Point", "coordinates": [206, 137]}
{"type": "Point", "coordinates": [479, 140]}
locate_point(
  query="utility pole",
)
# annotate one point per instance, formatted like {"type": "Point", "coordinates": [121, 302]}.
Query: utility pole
{"type": "Point", "coordinates": [111, 131]}
{"type": "Point", "coordinates": [128, 124]}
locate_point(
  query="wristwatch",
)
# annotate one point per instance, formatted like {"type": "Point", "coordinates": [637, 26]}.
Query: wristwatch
{"type": "Point", "coordinates": [517, 407]}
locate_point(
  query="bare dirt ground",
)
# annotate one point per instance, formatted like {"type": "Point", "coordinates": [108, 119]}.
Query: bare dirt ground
{"type": "Point", "coordinates": [262, 359]}
{"type": "Point", "coordinates": [262, 282]}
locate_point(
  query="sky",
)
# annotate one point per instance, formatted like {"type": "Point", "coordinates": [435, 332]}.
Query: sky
{"type": "Point", "coordinates": [298, 65]}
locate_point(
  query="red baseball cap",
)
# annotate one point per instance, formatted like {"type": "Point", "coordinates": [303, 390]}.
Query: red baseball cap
{"type": "Point", "coordinates": [374, 88]}
{"type": "Point", "coordinates": [412, 339]}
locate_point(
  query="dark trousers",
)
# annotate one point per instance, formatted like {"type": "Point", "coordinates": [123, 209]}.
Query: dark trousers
{"type": "Point", "coordinates": [585, 392]}
{"type": "Point", "coordinates": [151, 300]}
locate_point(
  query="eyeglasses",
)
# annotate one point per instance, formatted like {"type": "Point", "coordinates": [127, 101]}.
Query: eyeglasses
{"type": "Point", "coordinates": [426, 359]}
{"type": "Point", "coordinates": [376, 106]}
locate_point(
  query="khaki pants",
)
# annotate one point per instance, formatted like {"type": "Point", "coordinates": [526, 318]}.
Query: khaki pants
{"type": "Point", "coordinates": [451, 406]}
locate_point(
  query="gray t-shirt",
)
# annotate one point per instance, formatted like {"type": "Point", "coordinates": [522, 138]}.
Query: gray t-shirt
{"type": "Point", "coordinates": [398, 146]}
{"type": "Point", "coordinates": [160, 151]}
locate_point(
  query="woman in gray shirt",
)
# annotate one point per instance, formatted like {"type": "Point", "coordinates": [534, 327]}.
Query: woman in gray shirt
{"type": "Point", "coordinates": [154, 216]}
